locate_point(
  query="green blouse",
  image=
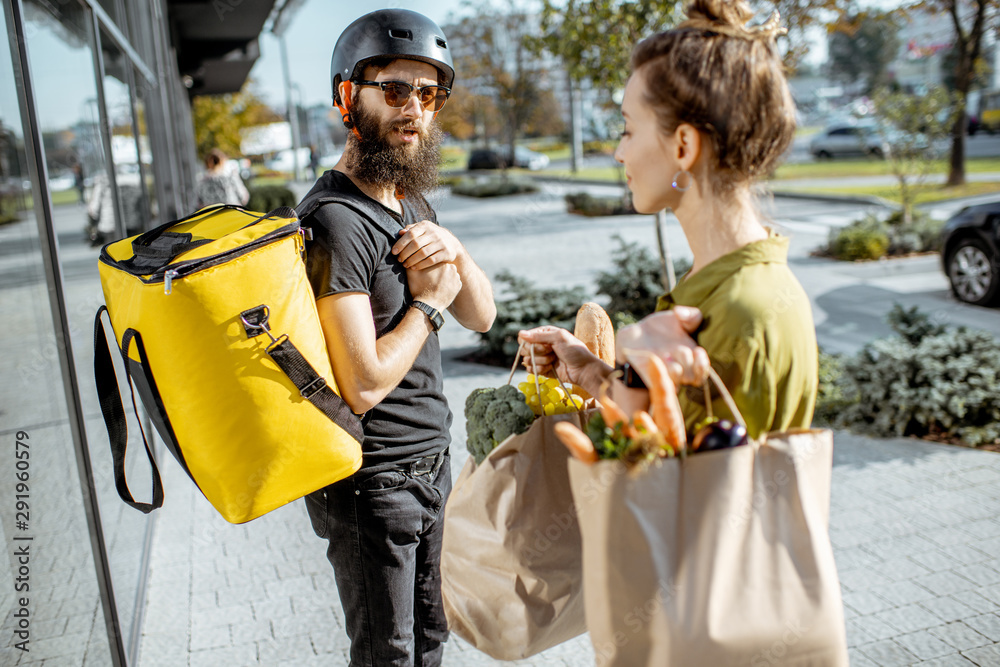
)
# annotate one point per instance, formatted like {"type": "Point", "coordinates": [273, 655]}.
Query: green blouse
{"type": "Point", "coordinates": [758, 331]}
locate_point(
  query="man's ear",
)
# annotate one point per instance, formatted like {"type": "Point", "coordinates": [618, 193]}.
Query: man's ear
{"type": "Point", "coordinates": [344, 90]}
{"type": "Point", "coordinates": [687, 144]}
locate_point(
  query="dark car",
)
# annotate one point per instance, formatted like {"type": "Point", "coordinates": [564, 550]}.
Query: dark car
{"type": "Point", "coordinates": [970, 253]}
{"type": "Point", "coordinates": [523, 157]}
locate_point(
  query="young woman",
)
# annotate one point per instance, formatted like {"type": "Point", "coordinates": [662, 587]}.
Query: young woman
{"type": "Point", "coordinates": [221, 182]}
{"type": "Point", "coordinates": [707, 112]}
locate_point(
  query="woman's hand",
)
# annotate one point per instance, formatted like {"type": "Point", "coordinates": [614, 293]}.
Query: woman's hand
{"type": "Point", "coordinates": [666, 334]}
{"type": "Point", "coordinates": [557, 352]}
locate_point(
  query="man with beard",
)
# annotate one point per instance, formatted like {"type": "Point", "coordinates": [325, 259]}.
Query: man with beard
{"type": "Point", "coordinates": [383, 270]}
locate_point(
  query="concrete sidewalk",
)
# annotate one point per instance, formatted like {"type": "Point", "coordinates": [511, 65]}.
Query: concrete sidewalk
{"type": "Point", "coordinates": [913, 526]}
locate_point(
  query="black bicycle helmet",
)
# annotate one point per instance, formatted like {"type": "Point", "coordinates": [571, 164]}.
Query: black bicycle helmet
{"type": "Point", "coordinates": [389, 33]}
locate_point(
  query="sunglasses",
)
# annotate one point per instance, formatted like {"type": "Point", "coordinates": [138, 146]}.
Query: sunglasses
{"type": "Point", "coordinates": [397, 94]}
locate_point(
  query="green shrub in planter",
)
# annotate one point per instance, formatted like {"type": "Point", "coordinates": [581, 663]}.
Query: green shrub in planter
{"type": "Point", "coordinates": [831, 399]}
{"type": "Point", "coordinates": [524, 307]}
{"type": "Point", "coordinates": [493, 186]}
{"type": "Point", "coordinates": [266, 198]}
{"type": "Point", "coordinates": [584, 203]}
{"type": "Point", "coordinates": [862, 239]}
{"type": "Point", "coordinates": [635, 283]}
{"type": "Point", "coordinates": [923, 234]}
{"type": "Point", "coordinates": [925, 381]}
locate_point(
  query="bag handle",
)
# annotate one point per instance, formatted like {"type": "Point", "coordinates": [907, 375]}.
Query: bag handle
{"type": "Point", "coordinates": [114, 413]}
{"type": "Point", "coordinates": [724, 393]}
{"type": "Point", "coordinates": [538, 388]}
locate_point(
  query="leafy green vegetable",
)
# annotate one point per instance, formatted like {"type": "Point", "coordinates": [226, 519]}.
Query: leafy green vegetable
{"type": "Point", "coordinates": [492, 416]}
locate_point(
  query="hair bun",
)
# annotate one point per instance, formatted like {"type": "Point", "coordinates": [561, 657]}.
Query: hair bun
{"type": "Point", "coordinates": [730, 17]}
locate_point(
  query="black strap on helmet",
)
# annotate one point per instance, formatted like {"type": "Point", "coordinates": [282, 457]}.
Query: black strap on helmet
{"type": "Point", "coordinates": [389, 33]}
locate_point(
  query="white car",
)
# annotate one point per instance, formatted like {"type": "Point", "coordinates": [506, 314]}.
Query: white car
{"type": "Point", "coordinates": [848, 140]}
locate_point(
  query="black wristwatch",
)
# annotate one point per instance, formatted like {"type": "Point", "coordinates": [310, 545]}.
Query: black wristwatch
{"type": "Point", "coordinates": [630, 377]}
{"type": "Point", "coordinates": [437, 319]}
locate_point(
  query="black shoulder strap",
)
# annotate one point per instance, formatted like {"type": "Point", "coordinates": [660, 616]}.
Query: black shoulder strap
{"type": "Point", "coordinates": [114, 415]}
{"type": "Point", "coordinates": [363, 205]}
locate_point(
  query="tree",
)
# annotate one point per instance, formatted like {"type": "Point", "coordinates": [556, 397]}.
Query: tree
{"type": "Point", "coordinates": [861, 46]}
{"type": "Point", "coordinates": [969, 21]}
{"type": "Point", "coordinates": [218, 119]}
{"type": "Point", "coordinates": [499, 73]}
{"type": "Point", "coordinates": [914, 126]}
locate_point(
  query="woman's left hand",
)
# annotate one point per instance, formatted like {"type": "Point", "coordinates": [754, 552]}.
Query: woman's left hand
{"type": "Point", "coordinates": [666, 334]}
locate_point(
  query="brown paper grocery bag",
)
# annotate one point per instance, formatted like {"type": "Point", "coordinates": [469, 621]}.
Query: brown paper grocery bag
{"type": "Point", "coordinates": [511, 558]}
{"type": "Point", "coordinates": [722, 558]}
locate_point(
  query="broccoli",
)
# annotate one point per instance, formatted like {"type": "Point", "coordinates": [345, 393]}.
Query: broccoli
{"type": "Point", "coordinates": [493, 415]}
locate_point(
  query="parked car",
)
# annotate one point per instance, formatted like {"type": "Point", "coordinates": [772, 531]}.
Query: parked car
{"type": "Point", "coordinates": [488, 158]}
{"type": "Point", "coordinates": [848, 140]}
{"type": "Point", "coordinates": [970, 253]}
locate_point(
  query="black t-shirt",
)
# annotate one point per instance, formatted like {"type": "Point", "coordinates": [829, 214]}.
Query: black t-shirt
{"type": "Point", "coordinates": [351, 253]}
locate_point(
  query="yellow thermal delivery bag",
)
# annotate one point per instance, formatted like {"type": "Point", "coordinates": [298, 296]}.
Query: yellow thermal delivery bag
{"type": "Point", "coordinates": [218, 330]}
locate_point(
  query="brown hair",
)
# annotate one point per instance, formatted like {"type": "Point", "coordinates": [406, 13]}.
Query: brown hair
{"type": "Point", "coordinates": [214, 158]}
{"type": "Point", "coordinates": [725, 79]}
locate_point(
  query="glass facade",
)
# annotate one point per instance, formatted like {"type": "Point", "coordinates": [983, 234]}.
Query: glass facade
{"type": "Point", "coordinates": [96, 143]}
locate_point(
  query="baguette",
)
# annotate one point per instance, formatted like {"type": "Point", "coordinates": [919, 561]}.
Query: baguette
{"type": "Point", "coordinates": [594, 328]}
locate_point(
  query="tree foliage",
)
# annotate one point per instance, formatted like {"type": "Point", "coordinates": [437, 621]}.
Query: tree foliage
{"type": "Point", "coordinates": [861, 46]}
{"type": "Point", "coordinates": [915, 127]}
{"type": "Point", "coordinates": [218, 119]}
{"type": "Point", "coordinates": [500, 75]}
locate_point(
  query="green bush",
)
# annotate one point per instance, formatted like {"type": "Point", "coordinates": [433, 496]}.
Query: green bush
{"type": "Point", "coordinates": [925, 381]}
{"type": "Point", "coordinates": [525, 307]}
{"type": "Point", "coordinates": [862, 239]}
{"type": "Point", "coordinates": [831, 398]}
{"type": "Point", "coordinates": [635, 283]}
{"type": "Point", "coordinates": [872, 237]}
{"type": "Point", "coordinates": [266, 198]}
{"type": "Point", "coordinates": [584, 203]}
{"type": "Point", "coordinates": [493, 186]}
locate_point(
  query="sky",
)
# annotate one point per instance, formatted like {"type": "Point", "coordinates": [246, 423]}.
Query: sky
{"type": "Point", "coordinates": [310, 39]}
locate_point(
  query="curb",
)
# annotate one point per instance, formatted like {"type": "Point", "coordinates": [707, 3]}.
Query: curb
{"type": "Point", "coordinates": [869, 200]}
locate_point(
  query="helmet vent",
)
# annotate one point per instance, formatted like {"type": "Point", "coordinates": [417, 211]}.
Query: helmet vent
{"type": "Point", "coordinates": [440, 42]}
{"type": "Point", "coordinates": [397, 33]}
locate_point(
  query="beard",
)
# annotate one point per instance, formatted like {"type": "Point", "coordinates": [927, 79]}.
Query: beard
{"type": "Point", "coordinates": [373, 159]}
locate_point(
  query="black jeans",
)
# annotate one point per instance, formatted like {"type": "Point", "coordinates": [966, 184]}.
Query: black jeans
{"type": "Point", "coordinates": [385, 535]}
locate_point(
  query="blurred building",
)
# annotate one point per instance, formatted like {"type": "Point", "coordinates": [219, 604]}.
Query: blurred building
{"type": "Point", "coordinates": [90, 90]}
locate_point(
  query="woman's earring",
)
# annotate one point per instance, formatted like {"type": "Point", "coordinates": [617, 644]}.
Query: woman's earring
{"type": "Point", "coordinates": [678, 176]}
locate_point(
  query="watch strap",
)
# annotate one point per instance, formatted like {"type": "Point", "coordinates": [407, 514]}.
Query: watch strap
{"type": "Point", "coordinates": [435, 316]}
{"type": "Point", "coordinates": [630, 377]}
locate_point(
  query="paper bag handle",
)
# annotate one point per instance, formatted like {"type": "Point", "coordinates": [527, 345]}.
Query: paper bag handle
{"type": "Point", "coordinates": [531, 353]}
{"type": "Point", "coordinates": [726, 396]}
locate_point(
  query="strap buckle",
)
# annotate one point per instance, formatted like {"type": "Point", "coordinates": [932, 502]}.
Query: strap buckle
{"type": "Point", "coordinates": [313, 388]}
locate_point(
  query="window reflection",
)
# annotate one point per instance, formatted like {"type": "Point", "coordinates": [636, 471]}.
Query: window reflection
{"type": "Point", "coordinates": [63, 585]}
{"type": "Point", "coordinates": [125, 150]}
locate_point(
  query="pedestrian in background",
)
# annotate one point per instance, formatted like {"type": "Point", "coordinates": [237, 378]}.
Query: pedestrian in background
{"type": "Point", "coordinates": [707, 112]}
{"type": "Point", "coordinates": [220, 184]}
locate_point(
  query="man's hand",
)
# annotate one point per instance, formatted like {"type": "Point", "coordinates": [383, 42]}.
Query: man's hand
{"type": "Point", "coordinates": [555, 351]}
{"type": "Point", "coordinates": [666, 334]}
{"type": "Point", "coordinates": [436, 286]}
{"type": "Point", "coordinates": [426, 244]}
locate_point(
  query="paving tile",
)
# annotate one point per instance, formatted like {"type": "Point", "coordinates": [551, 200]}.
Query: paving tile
{"type": "Point", "coordinates": [862, 578]}
{"type": "Point", "coordinates": [859, 659]}
{"type": "Point", "coordinates": [902, 593]}
{"type": "Point", "coordinates": [984, 529]}
{"type": "Point", "coordinates": [945, 583]}
{"type": "Point", "coordinates": [924, 645]}
{"type": "Point", "coordinates": [887, 653]}
{"type": "Point", "coordinates": [975, 601]}
{"type": "Point", "coordinates": [981, 574]}
{"type": "Point", "coordinates": [969, 554]}
{"type": "Point", "coordinates": [948, 608]}
{"type": "Point", "coordinates": [865, 602]}
{"type": "Point", "coordinates": [947, 537]}
{"type": "Point", "coordinates": [875, 627]}
{"type": "Point", "coordinates": [986, 656]}
{"type": "Point", "coordinates": [910, 618]}
{"type": "Point", "coordinates": [855, 557]}
{"type": "Point", "coordinates": [285, 649]}
{"type": "Point", "coordinates": [952, 660]}
{"type": "Point", "coordinates": [205, 637]}
{"type": "Point", "coordinates": [233, 656]}
{"type": "Point", "coordinates": [987, 625]}
{"type": "Point", "coordinates": [900, 569]}
{"type": "Point", "coordinates": [934, 560]}
{"type": "Point", "coordinates": [960, 635]}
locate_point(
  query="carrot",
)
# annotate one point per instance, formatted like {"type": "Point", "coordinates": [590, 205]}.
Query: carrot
{"type": "Point", "coordinates": [577, 442]}
{"type": "Point", "coordinates": [614, 415]}
{"type": "Point", "coordinates": [665, 408]}
{"type": "Point", "coordinates": [642, 420]}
